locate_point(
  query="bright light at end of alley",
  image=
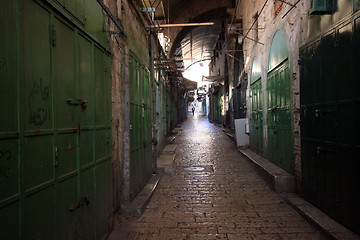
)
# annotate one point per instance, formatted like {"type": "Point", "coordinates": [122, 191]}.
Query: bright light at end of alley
{"type": "Point", "coordinates": [197, 71]}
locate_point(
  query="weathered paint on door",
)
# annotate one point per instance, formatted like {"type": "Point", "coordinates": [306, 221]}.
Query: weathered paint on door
{"type": "Point", "coordinates": [330, 112]}
{"type": "Point", "coordinates": [140, 126]}
{"type": "Point", "coordinates": [256, 112]}
{"type": "Point", "coordinates": [55, 151]}
{"type": "Point", "coordinates": [279, 112]}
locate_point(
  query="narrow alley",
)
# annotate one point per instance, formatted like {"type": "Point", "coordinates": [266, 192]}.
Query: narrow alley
{"type": "Point", "coordinates": [205, 119]}
{"type": "Point", "coordinates": [213, 193]}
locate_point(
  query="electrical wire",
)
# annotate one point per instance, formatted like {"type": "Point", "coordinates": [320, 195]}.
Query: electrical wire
{"type": "Point", "coordinates": [257, 17]}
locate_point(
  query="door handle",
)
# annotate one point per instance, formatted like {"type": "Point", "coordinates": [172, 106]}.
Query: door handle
{"type": "Point", "coordinates": [73, 207]}
{"type": "Point", "coordinates": [77, 102]}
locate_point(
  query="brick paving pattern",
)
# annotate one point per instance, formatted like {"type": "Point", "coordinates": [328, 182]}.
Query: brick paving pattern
{"type": "Point", "coordinates": [213, 193]}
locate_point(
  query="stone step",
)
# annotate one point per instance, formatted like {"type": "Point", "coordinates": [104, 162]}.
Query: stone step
{"type": "Point", "coordinates": [279, 179]}
{"type": "Point", "coordinates": [165, 162]}
{"type": "Point", "coordinates": [169, 149]}
{"type": "Point", "coordinates": [319, 219]}
{"type": "Point", "coordinates": [171, 139]}
{"type": "Point", "coordinates": [137, 206]}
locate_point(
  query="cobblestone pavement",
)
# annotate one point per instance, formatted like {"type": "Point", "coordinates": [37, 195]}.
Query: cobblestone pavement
{"type": "Point", "coordinates": [213, 193]}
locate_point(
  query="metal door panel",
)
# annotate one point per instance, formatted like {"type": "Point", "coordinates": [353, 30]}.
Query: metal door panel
{"type": "Point", "coordinates": [65, 84]}
{"type": "Point", "coordinates": [43, 183]}
{"type": "Point", "coordinates": [39, 214]}
{"type": "Point", "coordinates": [313, 121]}
{"type": "Point", "coordinates": [348, 198]}
{"type": "Point", "coordinates": [66, 139]}
{"type": "Point", "coordinates": [8, 69]}
{"type": "Point", "coordinates": [345, 123]}
{"type": "Point", "coordinates": [101, 143]}
{"type": "Point", "coordinates": [329, 125]}
{"type": "Point", "coordinates": [77, 8]}
{"type": "Point", "coordinates": [38, 161]}
{"type": "Point", "coordinates": [280, 138]}
{"type": "Point", "coordinates": [36, 65]}
{"type": "Point", "coordinates": [108, 96]}
{"type": "Point", "coordinates": [256, 119]}
{"type": "Point", "coordinates": [9, 169]}
{"type": "Point", "coordinates": [86, 85]}
{"type": "Point", "coordinates": [330, 196]}
{"type": "Point", "coordinates": [345, 57]}
{"type": "Point", "coordinates": [356, 58]}
{"type": "Point", "coordinates": [87, 196]}
{"type": "Point", "coordinates": [99, 87]}
{"type": "Point", "coordinates": [101, 198]}
{"type": "Point", "coordinates": [66, 154]}
{"type": "Point", "coordinates": [67, 206]}
{"type": "Point", "coordinates": [330, 74]}
{"type": "Point", "coordinates": [11, 224]}
{"type": "Point", "coordinates": [86, 148]}
{"type": "Point", "coordinates": [141, 126]}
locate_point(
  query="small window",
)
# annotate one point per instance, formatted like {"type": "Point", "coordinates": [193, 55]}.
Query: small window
{"type": "Point", "coordinates": [356, 5]}
{"type": "Point", "coordinates": [322, 6]}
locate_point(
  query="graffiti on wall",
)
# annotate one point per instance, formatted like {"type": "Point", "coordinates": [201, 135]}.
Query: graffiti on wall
{"type": "Point", "coordinates": [38, 97]}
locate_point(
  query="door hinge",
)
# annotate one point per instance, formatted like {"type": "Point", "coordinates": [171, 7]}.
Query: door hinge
{"type": "Point", "coordinates": [52, 35]}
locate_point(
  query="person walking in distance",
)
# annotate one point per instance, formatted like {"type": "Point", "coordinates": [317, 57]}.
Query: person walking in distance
{"type": "Point", "coordinates": [193, 110]}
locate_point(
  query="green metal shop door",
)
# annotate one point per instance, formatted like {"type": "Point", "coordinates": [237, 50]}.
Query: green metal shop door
{"type": "Point", "coordinates": [140, 126]}
{"type": "Point", "coordinates": [256, 114]}
{"type": "Point", "coordinates": [164, 117]}
{"type": "Point", "coordinates": [330, 112]}
{"type": "Point", "coordinates": [256, 118]}
{"type": "Point", "coordinates": [58, 157]}
{"type": "Point", "coordinates": [279, 120]}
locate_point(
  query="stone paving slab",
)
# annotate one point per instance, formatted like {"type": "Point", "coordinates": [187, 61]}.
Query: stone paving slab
{"type": "Point", "coordinates": [213, 192]}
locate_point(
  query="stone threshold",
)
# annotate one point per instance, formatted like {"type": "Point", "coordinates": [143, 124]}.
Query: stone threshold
{"type": "Point", "coordinates": [138, 205]}
{"type": "Point", "coordinates": [280, 180]}
{"type": "Point", "coordinates": [323, 222]}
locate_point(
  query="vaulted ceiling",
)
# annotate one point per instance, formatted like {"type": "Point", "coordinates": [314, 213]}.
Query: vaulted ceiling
{"type": "Point", "coordinates": [194, 43]}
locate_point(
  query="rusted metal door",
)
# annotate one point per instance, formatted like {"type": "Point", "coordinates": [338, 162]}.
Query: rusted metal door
{"type": "Point", "coordinates": [55, 141]}
{"type": "Point", "coordinates": [330, 108]}
{"type": "Point", "coordinates": [140, 126]}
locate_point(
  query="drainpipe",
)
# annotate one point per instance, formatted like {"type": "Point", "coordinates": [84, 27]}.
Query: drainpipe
{"type": "Point", "coordinates": [153, 92]}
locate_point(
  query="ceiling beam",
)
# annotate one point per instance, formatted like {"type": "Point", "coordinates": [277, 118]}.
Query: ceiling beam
{"type": "Point", "coordinates": [182, 25]}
